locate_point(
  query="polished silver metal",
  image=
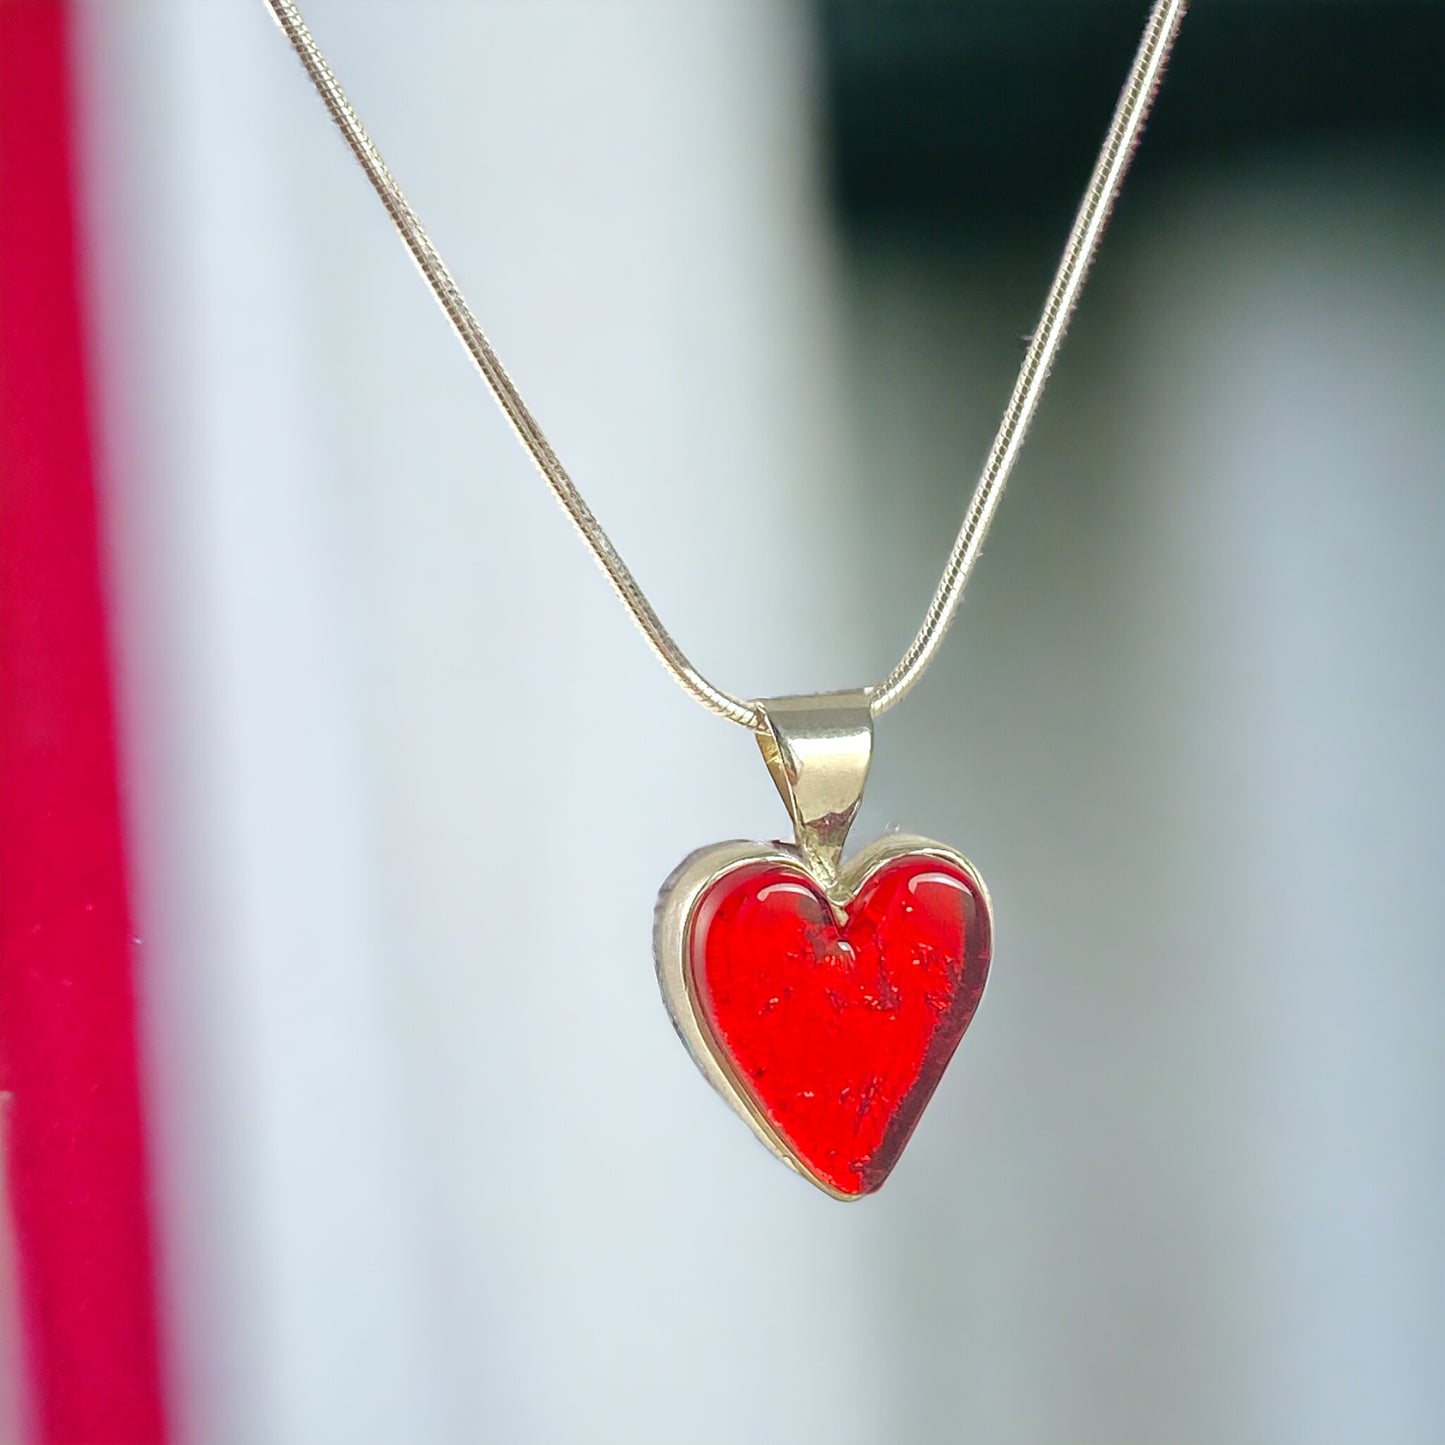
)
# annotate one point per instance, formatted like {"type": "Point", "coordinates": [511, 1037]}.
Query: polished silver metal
{"type": "Point", "coordinates": [1120, 140]}
{"type": "Point", "coordinates": [671, 941]}
{"type": "Point", "coordinates": [449, 297]}
{"type": "Point", "coordinates": [818, 749]}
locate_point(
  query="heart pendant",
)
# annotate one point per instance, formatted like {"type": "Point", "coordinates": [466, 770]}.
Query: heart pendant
{"type": "Point", "coordinates": [824, 1003]}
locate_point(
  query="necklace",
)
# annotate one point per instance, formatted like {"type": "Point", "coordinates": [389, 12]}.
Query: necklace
{"type": "Point", "coordinates": [821, 999]}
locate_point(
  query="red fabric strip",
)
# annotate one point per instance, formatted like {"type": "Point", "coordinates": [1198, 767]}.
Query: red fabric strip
{"type": "Point", "coordinates": [74, 1151]}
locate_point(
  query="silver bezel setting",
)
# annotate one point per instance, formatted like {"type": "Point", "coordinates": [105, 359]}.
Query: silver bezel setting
{"type": "Point", "coordinates": [676, 905]}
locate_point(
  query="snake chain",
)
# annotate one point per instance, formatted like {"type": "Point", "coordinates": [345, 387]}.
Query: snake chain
{"type": "Point", "coordinates": [1063, 296]}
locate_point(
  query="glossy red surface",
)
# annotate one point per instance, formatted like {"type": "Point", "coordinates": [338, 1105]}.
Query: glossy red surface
{"type": "Point", "coordinates": [840, 1032]}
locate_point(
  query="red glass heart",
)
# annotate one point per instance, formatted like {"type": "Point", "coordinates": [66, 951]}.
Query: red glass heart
{"type": "Point", "coordinates": [839, 1030]}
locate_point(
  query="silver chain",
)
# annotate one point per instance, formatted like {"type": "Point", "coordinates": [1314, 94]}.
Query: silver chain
{"type": "Point", "coordinates": [1063, 296]}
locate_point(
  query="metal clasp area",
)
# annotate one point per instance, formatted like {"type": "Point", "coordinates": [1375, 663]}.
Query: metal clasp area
{"type": "Point", "coordinates": [817, 749]}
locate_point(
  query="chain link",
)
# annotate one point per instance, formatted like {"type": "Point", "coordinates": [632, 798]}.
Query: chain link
{"type": "Point", "coordinates": [1063, 296]}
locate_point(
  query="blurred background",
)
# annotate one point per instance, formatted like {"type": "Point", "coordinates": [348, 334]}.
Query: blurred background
{"type": "Point", "coordinates": [432, 1164]}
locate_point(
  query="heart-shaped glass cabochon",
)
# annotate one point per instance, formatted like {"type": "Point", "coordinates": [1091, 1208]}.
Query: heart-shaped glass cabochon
{"type": "Point", "coordinates": [825, 1015]}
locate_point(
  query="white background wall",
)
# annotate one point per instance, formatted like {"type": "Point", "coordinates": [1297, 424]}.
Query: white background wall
{"type": "Point", "coordinates": [434, 1165]}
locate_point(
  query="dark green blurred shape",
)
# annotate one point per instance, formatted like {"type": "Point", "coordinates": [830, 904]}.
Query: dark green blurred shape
{"type": "Point", "coordinates": [966, 115]}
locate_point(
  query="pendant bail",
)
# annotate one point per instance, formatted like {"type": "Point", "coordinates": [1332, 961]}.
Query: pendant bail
{"type": "Point", "coordinates": [817, 749]}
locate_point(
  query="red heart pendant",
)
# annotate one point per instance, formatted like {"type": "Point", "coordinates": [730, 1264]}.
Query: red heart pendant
{"type": "Point", "coordinates": [826, 1016]}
